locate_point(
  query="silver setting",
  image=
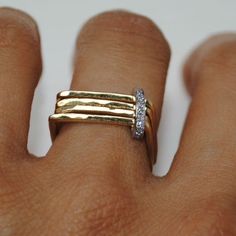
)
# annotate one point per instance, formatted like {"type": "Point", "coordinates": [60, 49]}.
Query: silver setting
{"type": "Point", "coordinates": [140, 114]}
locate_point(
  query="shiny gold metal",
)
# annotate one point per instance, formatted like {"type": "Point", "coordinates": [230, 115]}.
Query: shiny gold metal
{"type": "Point", "coordinates": [96, 110]}
{"type": "Point", "coordinates": [105, 108]}
{"type": "Point", "coordinates": [95, 102]}
{"type": "Point", "coordinates": [95, 106]}
{"type": "Point", "coordinates": [150, 115]}
{"type": "Point", "coordinates": [152, 134]}
{"type": "Point", "coordinates": [97, 95]}
{"type": "Point", "coordinates": [151, 110]}
{"type": "Point", "coordinates": [150, 142]}
{"type": "Point", "coordinates": [77, 117]}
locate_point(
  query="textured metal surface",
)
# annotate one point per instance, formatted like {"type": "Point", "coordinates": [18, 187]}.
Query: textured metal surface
{"type": "Point", "coordinates": [97, 95]}
{"type": "Point", "coordinates": [104, 108]}
{"type": "Point", "coordinates": [95, 106]}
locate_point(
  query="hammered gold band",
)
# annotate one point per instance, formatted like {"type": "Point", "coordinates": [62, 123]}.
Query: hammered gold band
{"type": "Point", "coordinates": [110, 108]}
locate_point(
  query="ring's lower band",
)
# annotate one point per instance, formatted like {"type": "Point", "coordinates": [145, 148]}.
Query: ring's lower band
{"type": "Point", "coordinates": [107, 108]}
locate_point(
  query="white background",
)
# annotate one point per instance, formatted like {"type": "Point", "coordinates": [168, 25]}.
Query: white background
{"type": "Point", "coordinates": [185, 23]}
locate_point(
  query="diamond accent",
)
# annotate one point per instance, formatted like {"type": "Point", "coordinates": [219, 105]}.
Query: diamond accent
{"type": "Point", "coordinates": [140, 114]}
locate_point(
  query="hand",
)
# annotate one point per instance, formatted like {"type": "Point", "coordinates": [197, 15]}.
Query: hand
{"type": "Point", "coordinates": [95, 179]}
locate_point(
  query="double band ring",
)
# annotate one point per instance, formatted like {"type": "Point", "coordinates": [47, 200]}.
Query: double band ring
{"type": "Point", "coordinates": [133, 111]}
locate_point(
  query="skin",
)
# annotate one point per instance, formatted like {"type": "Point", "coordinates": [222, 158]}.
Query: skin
{"type": "Point", "coordinates": [103, 186]}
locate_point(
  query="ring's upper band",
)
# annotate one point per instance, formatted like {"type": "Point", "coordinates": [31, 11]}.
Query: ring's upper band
{"type": "Point", "coordinates": [110, 108]}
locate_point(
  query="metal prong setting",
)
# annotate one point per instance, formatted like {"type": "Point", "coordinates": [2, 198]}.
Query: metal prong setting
{"type": "Point", "coordinates": [140, 114]}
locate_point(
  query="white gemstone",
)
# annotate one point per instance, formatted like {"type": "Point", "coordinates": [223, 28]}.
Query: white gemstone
{"type": "Point", "coordinates": [140, 114]}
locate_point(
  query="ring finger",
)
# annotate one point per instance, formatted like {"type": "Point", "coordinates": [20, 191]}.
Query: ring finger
{"type": "Point", "coordinates": [116, 52]}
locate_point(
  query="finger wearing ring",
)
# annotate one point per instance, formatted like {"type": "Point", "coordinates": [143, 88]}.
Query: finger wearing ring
{"type": "Point", "coordinates": [107, 108]}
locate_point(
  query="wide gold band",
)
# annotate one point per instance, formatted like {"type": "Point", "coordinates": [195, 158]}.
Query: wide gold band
{"type": "Point", "coordinates": [107, 108]}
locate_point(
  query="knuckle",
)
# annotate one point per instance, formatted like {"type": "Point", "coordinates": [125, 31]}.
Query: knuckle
{"type": "Point", "coordinates": [106, 210]}
{"type": "Point", "coordinates": [218, 53]}
{"type": "Point", "coordinates": [10, 206]}
{"type": "Point", "coordinates": [126, 22]}
{"type": "Point", "coordinates": [212, 218]}
{"type": "Point", "coordinates": [126, 27]}
{"type": "Point", "coordinates": [15, 27]}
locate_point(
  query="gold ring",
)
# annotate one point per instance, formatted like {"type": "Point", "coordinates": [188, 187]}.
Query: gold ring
{"type": "Point", "coordinates": [134, 111]}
